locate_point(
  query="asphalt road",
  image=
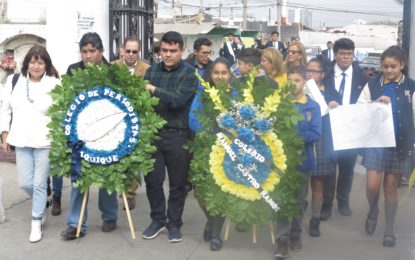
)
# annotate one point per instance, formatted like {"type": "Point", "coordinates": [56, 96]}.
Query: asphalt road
{"type": "Point", "coordinates": [342, 237]}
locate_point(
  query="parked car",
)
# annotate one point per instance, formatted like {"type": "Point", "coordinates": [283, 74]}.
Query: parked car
{"type": "Point", "coordinates": [312, 51]}
{"type": "Point", "coordinates": [371, 64]}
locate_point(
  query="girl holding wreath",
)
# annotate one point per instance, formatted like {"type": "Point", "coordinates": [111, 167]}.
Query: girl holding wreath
{"type": "Point", "coordinates": [219, 74]}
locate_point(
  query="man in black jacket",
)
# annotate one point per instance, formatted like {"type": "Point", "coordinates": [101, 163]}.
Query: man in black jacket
{"type": "Point", "coordinates": [328, 54]}
{"type": "Point", "coordinates": [344, 82]}
{"type": "Point", "coordinates": [230, 49]}
{"type": "Point", "coordinates": [200, 59]}
{"type": "Point", "coordinates": [276, 43]}
{"type": "Point", "coordinates": [91, 49]}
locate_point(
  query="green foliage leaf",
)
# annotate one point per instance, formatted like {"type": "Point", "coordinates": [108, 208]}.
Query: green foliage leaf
{"type": "Point", "coordinates": [221, 203]}
{"type": "Point", "coordinates": [118, 176]}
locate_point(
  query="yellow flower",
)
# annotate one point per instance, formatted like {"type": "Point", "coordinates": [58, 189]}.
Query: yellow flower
{"type": "Point", "coordinates": [213, 93]}
{"type": "Point", "coordinates": [217, 156]}
{"type": "Point", "coordinates": [271, 103]}
{"type": "Point", "coordinates": [247, 93]}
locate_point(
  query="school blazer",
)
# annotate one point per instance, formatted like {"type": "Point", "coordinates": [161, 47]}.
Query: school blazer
{"type": "Point", "coordinates": [359, 80]}
{"type": "Point", "coordinates": [404, 98]}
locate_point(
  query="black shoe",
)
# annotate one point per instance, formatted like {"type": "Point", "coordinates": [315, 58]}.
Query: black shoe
{"type": "Point", "coordinates": [314, 227]}
{"type": "Point", "coordinates": [174, 235]}
{"type": "Point", "coordinates": [370, 225]}
{"type": "Point", "coordinates": [153, 230]}
{"type": "Point", "coordinates": [389, 241]}
{"type": "Point", "coordinates": [282, 249]}
{"type": "Point", "coordinates": [325, 212]}
{"type": "Point", "coordinates": [216, 244]}
{"type": "Point", "coordinates": [295, 244]}
{"type": "Point", "coordinates": [207, 233]}
{"type": "Point", "coordinates": [344, 209]}
{"type": "Point", "coordinates": [70, 233]}
{"type": "Point", "coordinates": [108, 225]}
{"type": "Point", "coordinates": [56, 206]}
{"type": "Point", "coordinates": [131, 203]}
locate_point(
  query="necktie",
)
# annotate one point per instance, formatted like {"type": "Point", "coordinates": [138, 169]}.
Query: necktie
{"type": "Point", "coordinates": [341, 89]}
{"type": "Point", "coordinates": [275, 45]}
{"type": "Point", "coordinates": [329, 53]}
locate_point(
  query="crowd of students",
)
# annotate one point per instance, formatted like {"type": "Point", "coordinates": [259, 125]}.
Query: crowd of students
{"type": "Point", "coordinates": [337, 75]}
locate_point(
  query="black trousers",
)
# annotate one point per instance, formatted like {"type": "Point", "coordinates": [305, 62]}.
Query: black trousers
{"type": "Point", "coordinates": [346, 161]}
{"type": "Point", "coordinates": [171, 154]}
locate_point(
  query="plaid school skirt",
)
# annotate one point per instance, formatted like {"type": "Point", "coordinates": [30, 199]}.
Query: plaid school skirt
{"type": "Point", "coordinates": [325, 163]}
{"type": "Point", "coordinates": [386, 160]}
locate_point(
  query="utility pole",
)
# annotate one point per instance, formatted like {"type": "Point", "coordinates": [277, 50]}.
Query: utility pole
{"type": "Point", "coordinates": [155, 8]}
{"type": "Point", "coordinates": [220, 12]}
{"type": "Point", "coordinates": [279, 14]}
{"type": "Point", "coordinates": [245, 14]}
{"type": "Point", "coordinates": [174, 11]}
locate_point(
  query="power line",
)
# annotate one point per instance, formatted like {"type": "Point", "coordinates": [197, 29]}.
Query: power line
{"type": "Point", "coordinates": [295, 5]}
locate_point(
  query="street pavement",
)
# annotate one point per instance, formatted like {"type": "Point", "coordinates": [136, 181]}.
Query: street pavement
{"type": "Point", "coordinates": [342, 238]}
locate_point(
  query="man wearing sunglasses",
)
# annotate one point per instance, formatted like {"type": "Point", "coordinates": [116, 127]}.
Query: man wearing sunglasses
{"type": "Point", "coordinates": [130, 52]}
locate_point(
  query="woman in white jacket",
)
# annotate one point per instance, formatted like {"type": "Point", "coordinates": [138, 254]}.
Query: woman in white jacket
{"type": "Point", "coordinates": [27, 103]}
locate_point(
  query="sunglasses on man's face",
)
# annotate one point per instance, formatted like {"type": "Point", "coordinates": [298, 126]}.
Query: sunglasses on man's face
{"type": "Point", "coordinates": [131, 51]}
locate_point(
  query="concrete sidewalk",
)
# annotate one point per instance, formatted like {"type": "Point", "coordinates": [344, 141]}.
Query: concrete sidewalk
{"type": "Point", "coordinates": [342, 237]}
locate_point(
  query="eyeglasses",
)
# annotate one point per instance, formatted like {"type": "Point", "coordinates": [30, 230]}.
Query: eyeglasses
{"type": "Point", "coordinates": [293, 52]}
{"type": "Point", "coordinates": [131, 51]}
{"type": "Point", "coordinates": [314, 71]}
{"type": "Point", "coordinates": [345, 53]}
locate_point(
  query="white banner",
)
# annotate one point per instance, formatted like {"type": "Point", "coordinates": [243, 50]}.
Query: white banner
{"type": "Point", "coordinates": [362, 126]}
{"type": "Point", "coordinates": [314, 92]}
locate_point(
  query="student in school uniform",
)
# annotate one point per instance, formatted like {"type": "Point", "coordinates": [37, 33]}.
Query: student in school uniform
{"type": "Point", "coordinates": [344, 81]}
{"type": "Point", "coordinates": [289, 232]}
{"type": "Point", "coordinates": [325, 165]}
{"type": "Point", "coordinates": [393, 87]}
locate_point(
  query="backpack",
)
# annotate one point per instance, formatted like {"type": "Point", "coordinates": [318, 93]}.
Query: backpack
{"type": "Point", "coordinates": [15, 79]}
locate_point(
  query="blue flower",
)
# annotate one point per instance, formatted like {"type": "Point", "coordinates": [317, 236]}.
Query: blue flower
{"type": "Point", "coordinates": [246, 112]}
{"type": "Point", "coordinates": [246, 135]}
{"type": "Point", "coordinates": [262, 125]}
{"type": "Point", "coordinates": [228, 122]}
{"type": "Point", "coordinates": [248, 160]}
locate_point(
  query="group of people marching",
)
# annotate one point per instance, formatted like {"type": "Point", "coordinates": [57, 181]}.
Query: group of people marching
{"type": "Point", "coordinates": [339, 78]}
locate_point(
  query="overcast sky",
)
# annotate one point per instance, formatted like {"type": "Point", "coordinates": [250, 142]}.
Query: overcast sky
{"type": "Point", "coordinates": [341, 10]}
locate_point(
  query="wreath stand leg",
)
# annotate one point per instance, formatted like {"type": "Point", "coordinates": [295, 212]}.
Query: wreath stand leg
{"type": "Point", "coordinates": [272, 233]}
{"type": "Point", "coordinates": [254, 234]}
{"type": "Point", "coordinates": [228, 223]}
{"type": "Point", "coordinates": [81, 216]}
{"type": "Point", "coordinates": [127, 210]}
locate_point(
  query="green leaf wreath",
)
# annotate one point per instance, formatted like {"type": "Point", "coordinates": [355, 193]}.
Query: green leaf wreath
{"type": "Point", "coordinates": [117, 176]}
{"type": "Point", "coordinates": [218, 202]}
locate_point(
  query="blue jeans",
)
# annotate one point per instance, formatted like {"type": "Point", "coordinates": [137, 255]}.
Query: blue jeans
{"type": "Point", "coordinates": [33, 169]}
{"type": "Point", "coordinates": [57, 182]}
{"type": "Point", "coordinates": [108, 204]}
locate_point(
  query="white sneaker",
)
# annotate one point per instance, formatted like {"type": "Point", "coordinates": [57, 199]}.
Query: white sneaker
{"type": "Point", "coordinates": [36, 233]}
